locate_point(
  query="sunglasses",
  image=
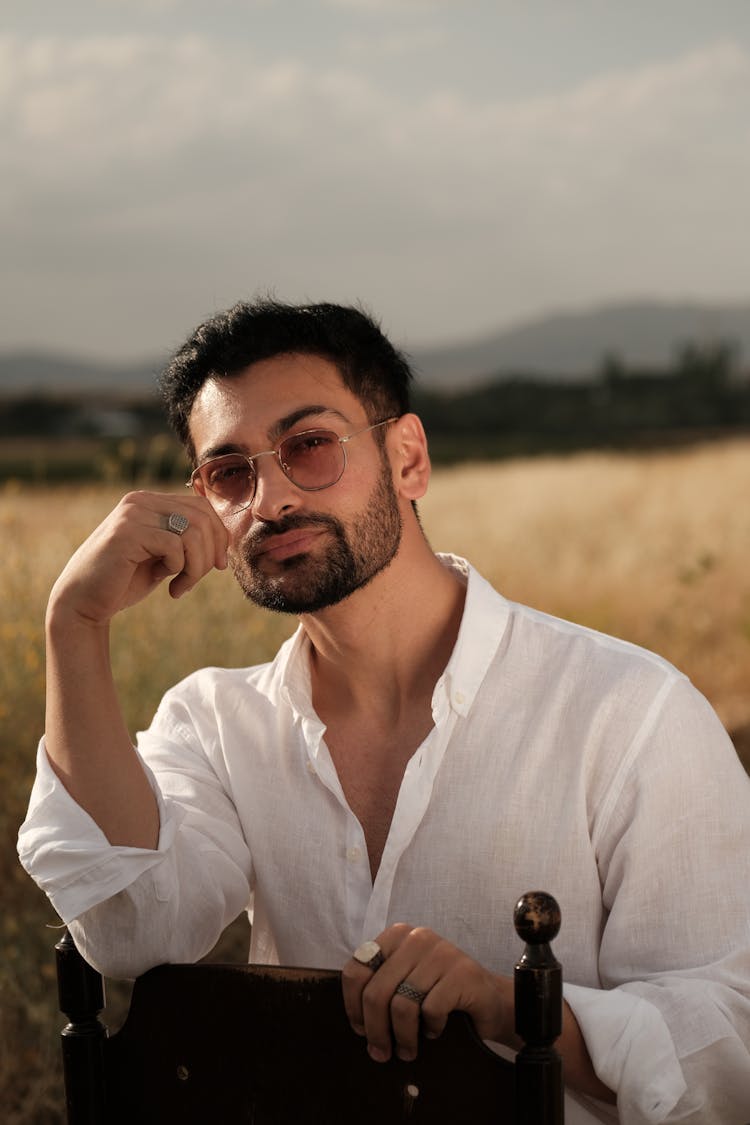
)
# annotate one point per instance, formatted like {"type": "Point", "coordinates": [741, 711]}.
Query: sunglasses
{"type": "Point", "coordinates": [312, 460]}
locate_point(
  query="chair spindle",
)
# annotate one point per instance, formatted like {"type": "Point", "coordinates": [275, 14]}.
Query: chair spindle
{"type": "Point", "coordinates": [538, 1001]}
{"type": "Point", "coordinates": [81, 998]}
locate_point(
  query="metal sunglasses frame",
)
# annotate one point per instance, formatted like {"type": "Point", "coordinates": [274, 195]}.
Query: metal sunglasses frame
{"type": "Point", "coordinates": [250, 458]}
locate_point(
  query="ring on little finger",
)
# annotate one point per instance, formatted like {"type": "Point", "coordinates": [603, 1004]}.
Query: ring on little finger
{"type": "Point", "coordinates": [176, 523]}
{"type": "Point", "coordinates": [410, 992]}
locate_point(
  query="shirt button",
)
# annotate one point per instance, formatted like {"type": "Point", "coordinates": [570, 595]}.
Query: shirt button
{"type": "Point", "coordinates": [310, 766]}
{"type": "Point", "coordinates": [354, 855]}
{"type": "Point", "coordinates": [459, 697]}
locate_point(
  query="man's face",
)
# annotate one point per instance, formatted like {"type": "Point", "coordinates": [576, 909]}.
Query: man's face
{"type": "Point", "coordinates": [296, 551]}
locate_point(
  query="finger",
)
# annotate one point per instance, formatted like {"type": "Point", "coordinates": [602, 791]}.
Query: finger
{"type": "Point", "coordinates": [440, 1001]}
{"type": "Point", "coordinates": [355, 976]}
{"type": "Point", "coordinates": [379, 1001]}
{"type": "Point", "coordinates": [191, 551]}
{"type": "Point", "coordinates": [196, 561]}
{"type": "Point", "coordinates": [416, 1003]}
{"type": "Point", "coordinates": [216, 536]}
{"type": "Point", "coordinates": [198, 512]}
{"type": "Point", "coordinates": [140, 533]}
{"type": "Point", "coordinates": [406, 1012]}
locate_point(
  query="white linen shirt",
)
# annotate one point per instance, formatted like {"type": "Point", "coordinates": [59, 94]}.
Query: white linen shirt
{"type": "Point", "coordinates": [560, 759]}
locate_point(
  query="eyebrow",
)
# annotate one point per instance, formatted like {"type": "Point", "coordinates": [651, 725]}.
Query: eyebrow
{"type": "Point", "coordinates": [275, 432]}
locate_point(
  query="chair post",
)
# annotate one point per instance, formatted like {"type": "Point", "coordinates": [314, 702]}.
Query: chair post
{"type": "Point", "coordinates": [81, 996]}
{"type": "Point", "coordinates": [538, 1000]}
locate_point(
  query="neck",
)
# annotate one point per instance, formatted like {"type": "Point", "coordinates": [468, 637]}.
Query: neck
{"type": "Point", "coordinates": [386, 645]}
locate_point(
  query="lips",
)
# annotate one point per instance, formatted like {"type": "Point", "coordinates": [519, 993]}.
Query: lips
{"type": "Point", "coordinates": [290, 543]}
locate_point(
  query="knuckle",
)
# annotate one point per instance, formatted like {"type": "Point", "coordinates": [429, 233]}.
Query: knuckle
{"type": "Point", "coordinates": [432, 1012]}
{"type": "Point", "coordinates": [435, 1025]}
{"type": "Point", "coordinates": [370, 1002]}
{"type": "Point", "coordinates": [402, 1007]}
{"type": "Point", "coordinates": [194, 568]}
{"type": "Point", "coordinates": [422, 938]}
{"type": "Point", "coordinates": [375, 999]}
{"type": "Point", "coordinates": [132, 499]}
{"type": "Point", "coordinates": [351, 973]}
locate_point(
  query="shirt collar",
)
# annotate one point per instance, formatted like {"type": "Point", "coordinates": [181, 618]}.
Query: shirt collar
{"type": "Point", "coordinates": [287, 678]}
{"type": "Point", "coordinates": [483, 624]}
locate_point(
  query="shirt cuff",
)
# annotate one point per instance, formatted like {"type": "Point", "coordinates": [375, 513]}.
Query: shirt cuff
{"type": "Point", "coordinates": [631, 1050]}
{"type": "Point", "coordinates": [66, 853]}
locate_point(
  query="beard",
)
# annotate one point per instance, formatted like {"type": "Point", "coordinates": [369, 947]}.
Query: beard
{"type": "Point", "coordinates": [307, 584]}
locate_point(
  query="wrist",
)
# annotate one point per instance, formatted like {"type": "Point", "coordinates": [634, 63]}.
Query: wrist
{"type": "Point", "coordinates": [504, 1030]}
{"type": "Point", "coordinates": [63, 622]}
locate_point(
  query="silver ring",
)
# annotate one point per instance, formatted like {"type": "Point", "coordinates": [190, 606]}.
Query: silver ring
{"type": "Point", "coordinates": [369, 954]}
{"type": "Point", "coordinates": [177, 523]}
{"type": "Point", "coordinates": [410, 992]}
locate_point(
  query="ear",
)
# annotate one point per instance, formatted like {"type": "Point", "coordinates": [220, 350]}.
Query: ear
{"type": "Point", "coordinates": [407, 444]}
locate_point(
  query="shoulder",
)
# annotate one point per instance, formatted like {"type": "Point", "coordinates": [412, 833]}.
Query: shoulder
{"type": "Point", "coordinates": [597, 697]}
{"type": "Point", "coordinates": [211, 695]}
{"type": "Point", "coordinates": [537, 643]}
{"type": "Point", "coordinates": [196, 704]}
{"type": "Point", "coordinates": [558, 638]}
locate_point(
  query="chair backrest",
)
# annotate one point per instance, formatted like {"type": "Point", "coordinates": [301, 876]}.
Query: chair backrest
{"type": "Point", "coordinates": [249, 1043]}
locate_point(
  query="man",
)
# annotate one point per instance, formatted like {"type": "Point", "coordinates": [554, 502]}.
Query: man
{"type": "Point", "coordinates": [418, 755]}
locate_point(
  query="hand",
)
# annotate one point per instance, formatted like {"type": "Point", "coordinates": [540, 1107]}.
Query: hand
{"type": "Point", "coordinates": [448, 977]}
{"type": "Point", "coordinates": [132, 552]}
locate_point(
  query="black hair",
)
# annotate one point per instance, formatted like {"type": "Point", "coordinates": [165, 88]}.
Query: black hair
{"type": "Point", "coordinates": [227, 343]}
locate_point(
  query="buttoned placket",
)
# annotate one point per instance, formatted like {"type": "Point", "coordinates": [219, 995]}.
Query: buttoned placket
{"type": "Point", "coordinates": [368, 903]}
{"type": "Point", "coordinates": [352, 856]}
{"type": "Point", "coordinates": [411, 806]}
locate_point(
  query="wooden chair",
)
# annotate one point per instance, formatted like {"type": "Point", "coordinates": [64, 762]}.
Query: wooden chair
{"type": "Point", "coordinates": [230, 1044]}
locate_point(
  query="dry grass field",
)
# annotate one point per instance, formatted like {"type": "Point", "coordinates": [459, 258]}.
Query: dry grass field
{"type": "Point", "coordinates": [652, 547]}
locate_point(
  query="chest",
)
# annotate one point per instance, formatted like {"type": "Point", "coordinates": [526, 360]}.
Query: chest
{"type": "Point", "coordinates": [476, 825]}
{"type": "Point", "coordinates": [370, 762]}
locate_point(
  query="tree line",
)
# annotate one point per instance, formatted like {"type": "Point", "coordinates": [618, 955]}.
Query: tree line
{"type": "Point", "coordinates": [703, 393]}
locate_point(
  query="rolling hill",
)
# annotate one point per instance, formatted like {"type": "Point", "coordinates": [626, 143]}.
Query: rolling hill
{"type": "Point", "coordinates": [563, 345]}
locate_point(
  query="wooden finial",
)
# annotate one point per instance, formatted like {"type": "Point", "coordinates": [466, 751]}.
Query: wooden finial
{"type": "Point", "coordinates": [537, 918]}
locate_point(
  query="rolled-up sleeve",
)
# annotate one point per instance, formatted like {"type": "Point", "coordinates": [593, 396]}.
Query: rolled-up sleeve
{"type": "Point", "coordinates": [131, 908]}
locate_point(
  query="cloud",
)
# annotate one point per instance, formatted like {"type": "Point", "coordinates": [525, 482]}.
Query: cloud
{"type": "Point", "coordinates": [395, 43]}
{"type": "Point", "coordinates": [404, 8]}
{"type": "Point", "coordinates": [129, 100]}
{"type": "Point", "coordinates": [143, 5]}
{"type": "Point", "coordinates": [189, 161]}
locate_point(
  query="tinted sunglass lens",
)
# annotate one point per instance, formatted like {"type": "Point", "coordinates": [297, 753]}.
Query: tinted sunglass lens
{"type": "Point", "coordinates": [231, 479]}
{"type": "Point", "coordinates": [312, 460]}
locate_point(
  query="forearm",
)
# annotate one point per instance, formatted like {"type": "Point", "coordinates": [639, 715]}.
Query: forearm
{"type": "Point", "coordinates": [578, 1070]}
{"type": "Point", "coordinates": [87, 742]}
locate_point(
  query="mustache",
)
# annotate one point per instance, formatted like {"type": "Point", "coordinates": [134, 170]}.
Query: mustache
{"type": "Point", "coordinates": [260, 533]}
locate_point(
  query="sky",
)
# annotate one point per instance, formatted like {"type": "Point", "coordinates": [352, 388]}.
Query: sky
{"type": "Point", "coordinates": [457, 166]}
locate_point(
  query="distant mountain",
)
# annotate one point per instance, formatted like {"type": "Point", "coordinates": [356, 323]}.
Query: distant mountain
{"type": "Point", "coordinates": [29, 372]}
{"type": "Point", "coordinates": [566, 345]}
{"type": "Point", "coordinates": [558, 346]}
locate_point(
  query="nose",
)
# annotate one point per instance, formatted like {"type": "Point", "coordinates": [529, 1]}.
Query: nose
{"type": "Point", "coordinates": [275, 495]}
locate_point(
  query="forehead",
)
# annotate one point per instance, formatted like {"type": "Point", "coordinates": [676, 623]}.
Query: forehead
{"type": "Point", "coordinates": [246, 408]}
